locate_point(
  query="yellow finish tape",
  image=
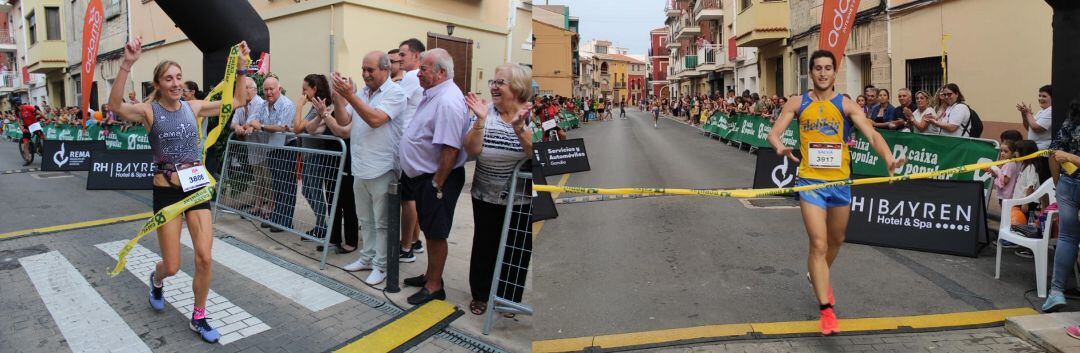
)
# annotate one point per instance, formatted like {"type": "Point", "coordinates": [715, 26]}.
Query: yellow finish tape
{"type": "Point", "coordinates": [1068, 167]}
{"type": "Point", "coordinates": [225, 87]}
{"type": "Point", "coordinates": [402, 329]}
{"type": "Point", "coordinates": [750, 193]}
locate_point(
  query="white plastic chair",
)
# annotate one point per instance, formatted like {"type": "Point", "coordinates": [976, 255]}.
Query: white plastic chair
{"type": "Point", "coordinates": [1039, 246]}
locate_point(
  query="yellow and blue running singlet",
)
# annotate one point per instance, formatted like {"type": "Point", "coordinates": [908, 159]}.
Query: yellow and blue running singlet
{"type": "Point", "coordinates": [823, 130]}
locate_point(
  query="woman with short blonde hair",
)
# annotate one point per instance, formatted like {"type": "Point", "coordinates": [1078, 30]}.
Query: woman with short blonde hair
{"type": "Point", "coordinates": [499, 139]}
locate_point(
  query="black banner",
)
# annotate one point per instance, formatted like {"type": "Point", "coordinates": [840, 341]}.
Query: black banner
{"type": "Point", "coordinates": [939, 216]}
{"type": "Point", "coordinates": [774, 171]}
{"type": "Point", "coordinates": [121, 170]}
{"type": "Point", "coordinates": [543, 207]}
{"type": "Point", "coordinates": [562, 157]}
{"type": "Point", "coordinates": [69, 155]}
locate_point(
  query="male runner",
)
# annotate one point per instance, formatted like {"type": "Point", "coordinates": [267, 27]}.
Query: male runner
{"type": "Point", "coordinates": [825, 117]}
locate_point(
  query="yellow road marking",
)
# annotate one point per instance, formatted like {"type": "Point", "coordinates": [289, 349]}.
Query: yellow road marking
{"type": "Point", "coordinates": [402, 329]}
{"type": "Point", "coordinates": [70, 226]}
{"type": "Point", "coordinates": [540, 225]}
{"type": "Point", "coordinates": [941, 321]}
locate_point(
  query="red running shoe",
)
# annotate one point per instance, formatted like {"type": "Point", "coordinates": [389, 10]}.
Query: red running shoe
{"type": "Point", "coordinates": [829, 325]}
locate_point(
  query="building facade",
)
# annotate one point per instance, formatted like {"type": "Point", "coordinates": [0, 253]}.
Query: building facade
{"type": "Point", "coordinates": [553, 64]}
{"type": "Point", "coordinates": [658, 59]}
{"type": "Point", "coordinates": [703, 55]}
{"type": "Point", "coordinates": [635, 82]}
{"type": "Point", "coordinates": [45, 53]}
{"type": "Point", "coordinates": [1021, 51]}
{"type": "Point", "coordinates": [320, 37]}
{"type": "Point", "coordinates": [16, 80]}
{"type": "Point", "coordinates": [114, 35]}
{"type": "Point", "coordinates": [519, 42]}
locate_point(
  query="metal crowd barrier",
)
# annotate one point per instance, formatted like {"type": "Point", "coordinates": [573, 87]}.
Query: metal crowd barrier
{"type": "Point", "coordinates": [515, 252]}
{"type": "Point", "coordinates": [260, 176]}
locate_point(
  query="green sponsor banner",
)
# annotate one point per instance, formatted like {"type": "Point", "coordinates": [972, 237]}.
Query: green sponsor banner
{"type": "Point", "coordinates": [924, 152]}
{"type": "Point", "coordinates": [134, 138]}
{"type": "Point", "coordinates": [747, 129]}
{"type": "Point", "coordinates": [568, 120]}
{"type": "Point", "coordinates": [12, 131]}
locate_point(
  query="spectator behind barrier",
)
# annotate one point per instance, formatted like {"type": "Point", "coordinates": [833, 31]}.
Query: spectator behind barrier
{"type": "Point", "coordinates": [369, 117]}
{"type": "Point", "coordinates": [955, 113]}
{"type": "Point", "coordinates": [317, 176]}
{"type": "Point", "coordinates": [432, 163]}
{"type": "Point", "coordinates": [282, 163]}
{"type": "Point", "coordinates": [409, 51]}
{"type": "Point", "coordinates": [499, 139]}
{"type": "Point", "coordinates": [247, 127]}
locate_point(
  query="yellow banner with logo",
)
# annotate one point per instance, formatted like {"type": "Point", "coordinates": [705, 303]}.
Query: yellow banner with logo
{"type": "Point", "coordinates": [206, 193]}
{"type": "Point", "coordinates": [750, 193]}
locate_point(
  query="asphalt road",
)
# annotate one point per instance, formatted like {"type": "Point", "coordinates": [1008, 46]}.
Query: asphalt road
{"type": "Point", "coordinates": [41, 199]}
{"type": "Point", "coordinates": [280, 306]}
{"type": "Point", "coordinates": [667, 262]}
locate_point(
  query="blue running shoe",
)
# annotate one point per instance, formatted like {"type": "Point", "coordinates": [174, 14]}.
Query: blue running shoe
{"type": "Point", "coordinates": [208, 334]}
{"type": "Point", "coordinates": [1054, 302]}
{"type": "Point", "coordinates": [157, 301]}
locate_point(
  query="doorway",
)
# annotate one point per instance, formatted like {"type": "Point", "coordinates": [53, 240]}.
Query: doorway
{"type": "Point", "coordinates": [460, 50]}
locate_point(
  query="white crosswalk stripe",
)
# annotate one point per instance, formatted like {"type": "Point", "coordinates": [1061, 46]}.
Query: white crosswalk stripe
{"type": "Point", "coordinates": [231, 321]}
{"type": "Point", "coordinates": [299, 289]}
{"type": "Point", "coordinates": [87, 322]}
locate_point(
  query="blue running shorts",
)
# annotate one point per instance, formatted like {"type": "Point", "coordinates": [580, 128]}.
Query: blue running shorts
{"type": "Point", "coordinates": [829, 197]}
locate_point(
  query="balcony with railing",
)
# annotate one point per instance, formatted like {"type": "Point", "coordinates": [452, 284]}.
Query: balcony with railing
{"type": "Point", "coordinates": [743, 54]}
{"type": "Point", "coordinates": [708, 10]}
{"type": "Point", "coordinates": [762, 22]}
{"type": "Point", "coordinates": [672, 12]}
{"type": "Point", "coordinates": [9, 80]}
{"type": "Point", "coordinates": [688, 66]}
{"type": "Point", "coordinates": [7, 40]}
{"type": "Point", "coordinates": [687, 28]}
{"type": "Point", "coordinates": [672, 42]}
{"type": "Point", "coordinates": [707, 55]}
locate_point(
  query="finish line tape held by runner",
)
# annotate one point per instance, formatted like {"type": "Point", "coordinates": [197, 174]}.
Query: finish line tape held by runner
{"type": "Point", "coordinates": [206, 193]}
{"type": "Point", "coordinates": [751, 193]}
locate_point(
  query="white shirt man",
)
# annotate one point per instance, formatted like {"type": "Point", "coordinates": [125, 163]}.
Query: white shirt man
{"type": "Point", "coordinates": [370, 117]}
{"type": "Point", "coordinates": [374, 150]}
{"type": "Point", "coordinates": [410, 85]}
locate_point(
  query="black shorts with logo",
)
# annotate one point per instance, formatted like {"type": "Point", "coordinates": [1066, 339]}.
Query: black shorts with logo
{"type": "Point", "coordinates": [165, 196]}
{"type": "Point", "coordinates": [435, 215]}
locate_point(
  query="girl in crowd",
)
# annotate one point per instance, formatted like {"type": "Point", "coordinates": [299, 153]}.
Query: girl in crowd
{"type": "Point", "coordinates": [499, 139]}
{"type": "Point", "coordinates": [174, 139]}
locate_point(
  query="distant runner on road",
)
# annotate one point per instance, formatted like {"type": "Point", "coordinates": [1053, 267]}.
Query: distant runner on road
{"type": "Point", "coordinates": [824, 118]}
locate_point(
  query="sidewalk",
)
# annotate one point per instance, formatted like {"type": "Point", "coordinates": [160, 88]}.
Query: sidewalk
{"type": "Point", "coordinates": [1047, 330]}
{"type": "Point", "coordinates": [509, 334]}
